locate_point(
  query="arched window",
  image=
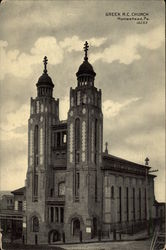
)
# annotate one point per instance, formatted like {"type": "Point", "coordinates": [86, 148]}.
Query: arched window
{"type": "Point", "coordinates": [95, 187]}
{"type": "Point", "coordinates": [35, 224]}
{"type": "Point", "coordinates": [78, 97]}
{"type": "Point", "coordinates": [120, 204]}
{"type": "Point", "coordinates": [35, 186]}
{"type": "Point", "coordinates": [134, 204]}
{"type": "Point", "coordinates": [77, 184]}
{"type": "Point", "coordinates": [61, 188]}
{"type": "Point", "coordinates": [77, 133]}
{"type": "Point", "coordinates": [52, 214]}
{"type": "Point", "coordinates": [112, 192]}
{"type": "Point", "coordinates": [145, 203]}
{"type": "Point", "coordinates": [139, 203]}
{"type": "Point", "coordinates": [127, 203]}
{"type": "Point", "coordinates": [36, 144]}
{"type": "Point", "coordinates": [96, 134]}
{"type": "Point", "coordinates": [37, 106]}
{"type": "Point", "coordinates": [77, 140]}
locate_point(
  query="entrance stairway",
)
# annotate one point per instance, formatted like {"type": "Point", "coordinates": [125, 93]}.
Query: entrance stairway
{"type": "Point", "coordinates": [158, 241]}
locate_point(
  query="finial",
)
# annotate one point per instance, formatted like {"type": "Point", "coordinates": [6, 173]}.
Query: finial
{"type": "Point", "coordinates": [106, 147]}
{"type": "Point", "coordinates": [45, 60]}
{"type": "Point", "coordinates": [86, 46]}
{"type": "Point", "coordinates": [147, 161]}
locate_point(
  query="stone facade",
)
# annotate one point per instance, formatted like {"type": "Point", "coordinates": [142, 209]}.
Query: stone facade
{"type": "Point", "coordinates": [73, 189]}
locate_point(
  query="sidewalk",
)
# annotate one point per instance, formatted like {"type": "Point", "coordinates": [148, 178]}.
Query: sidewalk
{"type": "Point", "coordinates": [124, 245]}
{"type": "Point", "coordinates": [128, 242]}
{"type": "Point", "coordinates": [124, 237]}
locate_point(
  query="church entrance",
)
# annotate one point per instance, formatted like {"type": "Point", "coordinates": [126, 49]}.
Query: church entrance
{"type": "Point", "coordinates": [76, 227]}
{"type": "Point", "coordinates": [54, 236]}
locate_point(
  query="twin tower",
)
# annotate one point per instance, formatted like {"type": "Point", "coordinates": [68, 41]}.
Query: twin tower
{"type": "Point", "coordinates": [64, 179]}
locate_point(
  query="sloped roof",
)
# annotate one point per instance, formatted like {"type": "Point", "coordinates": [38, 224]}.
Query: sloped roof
{"type": "Point", "coordinates": [118, 159]}
{"type": "Point", "coordinates": [19, 191]}
{"type": "Point", "coordinates": [117, 164]}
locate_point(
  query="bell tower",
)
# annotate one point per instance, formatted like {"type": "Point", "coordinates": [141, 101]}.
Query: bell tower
{"type": "Point", "coordinates": [44, 112]}
{"type": "Point", "coordinates": [84, 150]}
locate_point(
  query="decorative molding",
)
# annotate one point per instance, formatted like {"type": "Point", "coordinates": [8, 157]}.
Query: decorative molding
{"type": "Point", "coordinates": [83, 141]}
{"type": "Point", "coordinates": [78, 97]}
{"type": "Point", "coordinates": [37, 107]}
{"type": "Point", "coordinates": [71, 137]}
{"type": "Point", "coordinates": [92, 141]}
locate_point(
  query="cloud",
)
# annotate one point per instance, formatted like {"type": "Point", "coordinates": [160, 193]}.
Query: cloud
{"type": "Point", "coordinates": [21, 64]}
{"type": "Point", "coordinates": [97, 42]}
{"type": "Point", "coordinates": [127, 50]}
{"type": "Point", "coordinates": [16, 119]}
{"type": "Point", "coordinates": [137, 131]}
{"type": "Point", "coordinates": [48, 46]}
{"type": "Point", "coordinates": [11, 135]}
{"type": "Point", "coordinates": [112, 109]}
{"type": "Point", "coordinates": [75, 44]}
{"type": "Point", "coordinates": [13, 172]}
{"type": "Point", "coordinates": [148, 139]}
{"type": "Point", "coordinates": [72, 43]}
{"type": "Point", "coordinates": [15, 125]}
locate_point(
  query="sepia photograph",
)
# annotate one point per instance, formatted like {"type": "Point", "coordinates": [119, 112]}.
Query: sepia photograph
{"type": "Point", "coordinates": [82, 125]}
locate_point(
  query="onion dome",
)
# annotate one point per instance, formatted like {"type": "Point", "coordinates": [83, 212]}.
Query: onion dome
{"type": "Point", "coordinates": [85, 68]}
{"type": "Point", "coordinates": [45, 79]}
{"type": "Point", "coordinates": [85, 74]}
{"type": "Point", "coordinates": [45, 84]}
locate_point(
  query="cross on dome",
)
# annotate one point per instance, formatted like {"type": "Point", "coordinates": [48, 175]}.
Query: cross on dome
{"type": "Point", "coordinates": [86, 46]}
{"type": "Point", "coordinates": [45, 60]}
{"type": "Point", "coordinates": [147, 161]}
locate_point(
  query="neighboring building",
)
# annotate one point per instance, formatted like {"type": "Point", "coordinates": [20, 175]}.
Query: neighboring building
{"type": "Point", "coordinates": [19, 199]}
{"type": "Point", "coordinates": [12, 213]}
{"type": "Point", "coordinates": [72, 187]}
{"type": "Point", "coordinates": [7, 202]}
{"type": "Point", "coordinates": [128, 195]}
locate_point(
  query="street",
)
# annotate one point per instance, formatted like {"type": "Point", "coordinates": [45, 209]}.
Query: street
{"type": "Point", "coordinates": [125, 245]}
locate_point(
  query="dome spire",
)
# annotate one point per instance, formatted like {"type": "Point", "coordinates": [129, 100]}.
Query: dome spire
{"type": "Point", "coordinates": [45, 60]}
{"type": "Point", "coordinates": [45, 85]}
{"type": "Point", "coordinates": [85, 74]}
{"type": "Point", "coordinates": [86, 46]}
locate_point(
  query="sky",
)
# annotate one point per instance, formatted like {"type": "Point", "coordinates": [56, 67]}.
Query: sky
{"type": "Point", "coordinates": [128, 59]}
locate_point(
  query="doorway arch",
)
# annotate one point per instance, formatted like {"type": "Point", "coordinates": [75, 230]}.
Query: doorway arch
{"type": "Point", "coordinates": [54, 236]}
{"type": "Point", "coordinates": [76, 227]}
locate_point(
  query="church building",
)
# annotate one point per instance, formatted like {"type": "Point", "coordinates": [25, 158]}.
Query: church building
{"type": "Point", "coordinates": [73, 188]}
